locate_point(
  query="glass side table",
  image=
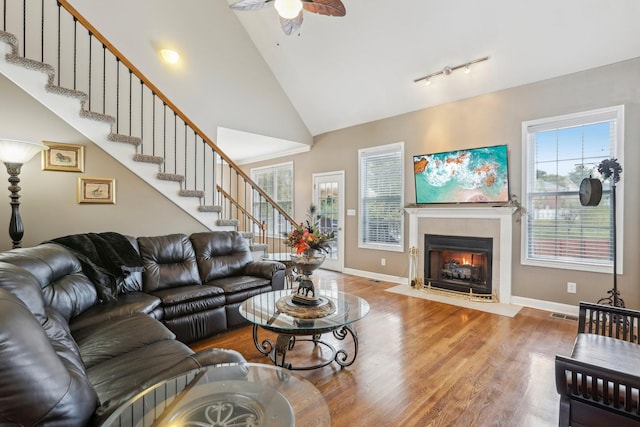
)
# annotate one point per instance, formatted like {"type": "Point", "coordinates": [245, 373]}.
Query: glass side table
{"type": "Point", "coordinates": [244, 395]}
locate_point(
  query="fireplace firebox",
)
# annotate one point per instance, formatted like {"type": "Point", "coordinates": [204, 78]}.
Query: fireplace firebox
{"type": "Point", "coordinates": [458, 263]}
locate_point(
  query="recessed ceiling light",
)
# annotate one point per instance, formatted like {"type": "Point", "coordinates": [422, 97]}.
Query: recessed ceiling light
{"type": "Point", "coordinates": [170, 56]}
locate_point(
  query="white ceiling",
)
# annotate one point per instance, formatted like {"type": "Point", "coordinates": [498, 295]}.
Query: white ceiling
{"type": "Point", "coordinates": [343, 71]}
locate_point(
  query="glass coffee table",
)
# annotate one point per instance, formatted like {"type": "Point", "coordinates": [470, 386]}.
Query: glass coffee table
{"type": "Point", "coordinates": [248, 395]}
{"type": "Point", "coordinates": [273, 311]}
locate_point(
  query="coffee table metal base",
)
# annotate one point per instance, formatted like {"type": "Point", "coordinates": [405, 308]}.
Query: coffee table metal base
{"type": "Point", "coordinates": [286, 342]}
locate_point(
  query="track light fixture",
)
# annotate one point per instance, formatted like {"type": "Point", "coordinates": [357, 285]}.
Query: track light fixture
{"type": "Point", "coordinates": [466, 67]}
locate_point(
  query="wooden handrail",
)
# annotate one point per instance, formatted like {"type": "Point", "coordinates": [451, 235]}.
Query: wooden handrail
{"type": "Point", "coordinates": [262, 225]}
{"type": "Point", "coordinates": [102, 39]}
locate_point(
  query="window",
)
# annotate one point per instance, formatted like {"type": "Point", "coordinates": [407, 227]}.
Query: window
{"type": "Point", "coordinates": [277, 182]}
{"type": "Point", "coordinates": [559, 152]}
{"type": "Point", "coordinates": [381, 197]}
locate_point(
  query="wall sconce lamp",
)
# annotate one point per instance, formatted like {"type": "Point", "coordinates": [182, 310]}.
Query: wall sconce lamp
{"type": "Point", "coordinates": [466, 67]}
{"type": "Point", "coordinates": [14, 154]}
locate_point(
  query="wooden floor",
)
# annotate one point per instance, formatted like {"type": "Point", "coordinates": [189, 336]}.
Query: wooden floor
{"type": "Point", "coordinates": [423, 363]}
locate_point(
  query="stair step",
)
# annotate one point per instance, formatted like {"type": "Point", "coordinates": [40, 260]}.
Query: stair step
{"type": "Point", "coordinates": [30, 64]}
{"type": "Point", "coordinates": [228, 222]}
{"type": "Point", "coordinates": [191, 193]}
{"type": "Point", "coordinates": [127, 139]}
{"type": "Point", "coordinates": [11, 40]}
{"type": "Point", "coordinates": [210, 208]}
{"type": "Point", "coordinates": [248, 235]}
{"type": "Point", "coordinates": [69, 93]}
{"type": "Point", "coordinates": [146, 158]}
{"type": "Point", "coordinates": [259, 247]}
{"type": "Point", "coordinates": [170, 177]}
{"type": "Point", "coordinates": [97, 116]}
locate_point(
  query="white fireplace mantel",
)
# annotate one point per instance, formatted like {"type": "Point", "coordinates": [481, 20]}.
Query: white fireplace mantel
{"type": "Point", "coordinates": [504, 214]}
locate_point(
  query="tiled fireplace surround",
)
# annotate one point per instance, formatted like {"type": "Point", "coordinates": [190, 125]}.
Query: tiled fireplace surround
{"type": "Point", "coordinates": [494, 222]}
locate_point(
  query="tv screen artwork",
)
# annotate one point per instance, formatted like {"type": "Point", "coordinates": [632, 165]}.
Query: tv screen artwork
{"type": "Point", "coordinates": [478, 175]}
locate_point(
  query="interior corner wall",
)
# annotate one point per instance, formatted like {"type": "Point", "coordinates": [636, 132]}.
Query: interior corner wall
{"type": "Point", "coordinates": [48, 199]}
{"type": "Point", "coordinates": [491, 119]}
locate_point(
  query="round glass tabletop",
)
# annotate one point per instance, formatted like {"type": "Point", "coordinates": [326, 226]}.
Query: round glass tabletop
{"type": "Point", "coordinates": [248, 394]}
{"type": "Point", "coordinates": [262, 310]}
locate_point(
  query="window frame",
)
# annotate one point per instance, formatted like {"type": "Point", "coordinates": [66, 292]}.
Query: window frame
{"type": "Point", "coordinates": [282, 227]}
{"type": "Point", "coordinates": [396, 147]}
{"type": "Point", "coordinates": [529, 128]}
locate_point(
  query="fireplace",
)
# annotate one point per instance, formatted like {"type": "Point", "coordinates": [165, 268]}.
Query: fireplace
{"type": "Point", "coordinates": [458, 263]}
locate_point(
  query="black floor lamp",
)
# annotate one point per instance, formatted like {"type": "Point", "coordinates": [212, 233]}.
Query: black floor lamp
{"type": "Point", "coordinates": [590, 195]}
{"type": "Point", "coordinates": [14, 154]}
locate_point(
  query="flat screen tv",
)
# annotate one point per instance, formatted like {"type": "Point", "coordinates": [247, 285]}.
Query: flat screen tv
{"type": "Point", "coordinates": [476, 175]}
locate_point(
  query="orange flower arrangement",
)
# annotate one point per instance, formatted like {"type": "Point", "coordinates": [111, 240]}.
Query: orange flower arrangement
{"type": "Point", "coordinates": [306, 236]}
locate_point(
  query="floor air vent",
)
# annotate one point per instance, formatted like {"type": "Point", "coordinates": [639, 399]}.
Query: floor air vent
{"type": "Point", "coordinates": [564, 317]}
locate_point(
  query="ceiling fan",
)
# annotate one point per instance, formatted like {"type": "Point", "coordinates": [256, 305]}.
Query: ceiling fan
{"type": "Point", "coordinates": [290, 11]}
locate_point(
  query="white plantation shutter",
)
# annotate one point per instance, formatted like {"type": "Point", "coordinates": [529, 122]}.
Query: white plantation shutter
{"type": "Point", "coordinates": [381, 197]}
{"type": "Point", "coordinates": [558, 231]}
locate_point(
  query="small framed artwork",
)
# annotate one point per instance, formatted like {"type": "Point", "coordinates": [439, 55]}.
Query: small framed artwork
{"type": "Point", "coordinates": [97, 190]}
{"type": "Point", "coordinates": [63, 157]}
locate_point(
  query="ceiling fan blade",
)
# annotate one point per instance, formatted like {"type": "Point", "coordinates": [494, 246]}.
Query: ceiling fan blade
{"type": "Point", "coordinates": [249, 4]}
{"type": "Point", "coordinates": [325, 7]}
{"type": "Point", "coordinates": [289, 26]}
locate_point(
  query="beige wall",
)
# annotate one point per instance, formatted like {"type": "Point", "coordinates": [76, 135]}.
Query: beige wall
{"type": "Point", "coordinates": [48, 199]}
{"type": "Point", "coordinates": [491, 119]}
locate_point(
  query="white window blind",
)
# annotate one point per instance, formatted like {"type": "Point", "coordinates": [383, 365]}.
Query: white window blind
{"type": "Point", "coordinates": [381, 197]}
{"type": "Point", "coordinates": [560, 152]}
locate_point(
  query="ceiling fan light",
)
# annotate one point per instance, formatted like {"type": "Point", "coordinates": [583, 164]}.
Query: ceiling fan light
{"type": "Point", "coordinates": [288, 9]}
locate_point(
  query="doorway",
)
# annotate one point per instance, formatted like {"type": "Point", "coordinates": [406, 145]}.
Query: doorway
{"type": "Point", "coordinates": [328, 197]}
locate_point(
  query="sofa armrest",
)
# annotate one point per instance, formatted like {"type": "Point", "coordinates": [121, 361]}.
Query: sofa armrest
{"type": "Point", "coordinates": [263, 269]}
{"type": "Point", "coordinates": [596, 385]}
{"type": "Point", "coordinates": [616, 322]}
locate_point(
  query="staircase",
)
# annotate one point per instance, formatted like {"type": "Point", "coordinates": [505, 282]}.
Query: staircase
{"type": "Point", "coordinates": [95, 89]}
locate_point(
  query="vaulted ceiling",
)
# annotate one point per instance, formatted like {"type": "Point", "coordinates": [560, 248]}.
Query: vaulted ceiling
{"type": "Point", "coordinates": [343, 71]}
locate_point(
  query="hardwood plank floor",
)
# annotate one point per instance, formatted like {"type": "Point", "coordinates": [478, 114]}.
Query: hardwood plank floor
{"type": "Point", "coordinates": [424, 363]}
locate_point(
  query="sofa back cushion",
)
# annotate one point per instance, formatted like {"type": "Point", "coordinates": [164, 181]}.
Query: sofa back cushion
{"type": "Point", "coordinates": [169, 262]}
{"type": "Point", "coordinates": [42, 378]}
{"type": "Point", "coordinates": [133, 281]}
{"type": "Point", "coordinates": [64, 286]}
{"type": "Point", "coordinates": [221, 254]}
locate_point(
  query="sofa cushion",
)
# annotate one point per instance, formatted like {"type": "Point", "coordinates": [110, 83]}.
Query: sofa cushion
{"type": "Point", "coordinates": [64, 286]}
{"type": "Point", "coordinates": [196, 326]}
{"type": "Point", "coordinates": [127, 304]}
{"type": "Point", "coordinates": [169, 262]}
{"type": "Point", "coordinates": [186, 300]}
{"type": "Point", "coordinates": [25, 287]}
{"type": "Point", "coordinates": [238, 284]}
{"type": "Point", "coordinates": [104, 341]}
{"type": "Point", "coordinates": [128, 372]}
{"type": "Point", "coordinates": [221, 254]}
{"type": "Point", "coordinates": [42, 381]}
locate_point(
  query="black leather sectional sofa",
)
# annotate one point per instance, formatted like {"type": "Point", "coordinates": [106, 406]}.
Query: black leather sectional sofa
{"type": "Point", "coordinates": [74, 347]}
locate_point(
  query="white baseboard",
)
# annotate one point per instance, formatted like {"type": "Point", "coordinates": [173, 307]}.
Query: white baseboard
{"type": "Point", "coordinates": [554, 307]}
{"type": "Point", "coordinates": [376, 276]}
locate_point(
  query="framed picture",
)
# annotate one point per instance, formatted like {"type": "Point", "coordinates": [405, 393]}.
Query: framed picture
{"type": "Point", "coordinates": [63, 157]}
{"type": "Point", "coordinates": [97, 190]}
